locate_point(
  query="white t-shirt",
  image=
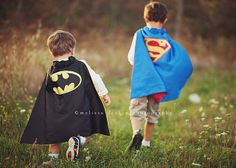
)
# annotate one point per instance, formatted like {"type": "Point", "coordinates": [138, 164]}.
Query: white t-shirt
{"type": "Point", "coordinates": [97, 80]}
{"type": "Point", "coordinates": [131, 50]}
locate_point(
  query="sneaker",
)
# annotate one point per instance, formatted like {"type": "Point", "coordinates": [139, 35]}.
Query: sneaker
{"type": "Point", "coordinates": [136, 142]}
{"type": "Point", "coordinates": [72, 152]}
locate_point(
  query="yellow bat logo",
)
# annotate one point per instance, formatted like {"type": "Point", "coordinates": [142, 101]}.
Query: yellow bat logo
{"type": "Point", "coordinates": [157, 47]}
{"type": "Point", "coordinates": [65, 81]}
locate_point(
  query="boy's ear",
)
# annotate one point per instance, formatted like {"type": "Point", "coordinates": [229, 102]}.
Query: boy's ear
{"type": "Point", "coordinates": [165, 20]}
{"type": "Point", "coordinates": [146, 19]}
{"type": "Point", "coordinates": [72, 50]}
{"type": "Point", "coordinates": [51, 53]}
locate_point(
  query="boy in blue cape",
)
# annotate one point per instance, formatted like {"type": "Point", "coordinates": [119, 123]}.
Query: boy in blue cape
{"type": "Point", "coordinates": [161, 68]}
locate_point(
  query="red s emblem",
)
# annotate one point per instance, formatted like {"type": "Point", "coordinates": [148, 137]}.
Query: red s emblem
{"type": "Point", "coordinates": [157, 47]}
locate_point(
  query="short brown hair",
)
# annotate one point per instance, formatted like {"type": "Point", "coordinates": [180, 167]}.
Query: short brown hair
{"type": "Point", "coordinates": [61, 42]}
{"type": "Point", "coordinates": [155, 11]}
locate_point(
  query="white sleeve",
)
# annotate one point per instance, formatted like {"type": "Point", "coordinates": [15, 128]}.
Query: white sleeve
{"type": "Point", "coordinates": [97, 80]}
{"type": "Point", "coordinates": [131, 51]}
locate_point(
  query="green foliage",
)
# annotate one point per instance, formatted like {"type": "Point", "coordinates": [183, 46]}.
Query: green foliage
{"type": "Point", "coordinates": [187, 135]}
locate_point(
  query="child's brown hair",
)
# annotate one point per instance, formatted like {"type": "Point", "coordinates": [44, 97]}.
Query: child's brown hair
{"type": "Point", "coordinates": [155, 11]}
{"type": "Point", "coordinates": [61, 42]}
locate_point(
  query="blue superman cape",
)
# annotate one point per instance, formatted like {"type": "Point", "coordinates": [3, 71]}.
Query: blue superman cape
{"type": "Point", "coordinates": [168, 74]}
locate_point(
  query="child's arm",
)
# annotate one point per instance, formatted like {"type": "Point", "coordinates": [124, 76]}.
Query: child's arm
{"type": "Point", "coordinates": [131, 50]}
{"type": "Point", "coordinates": [99, 85]}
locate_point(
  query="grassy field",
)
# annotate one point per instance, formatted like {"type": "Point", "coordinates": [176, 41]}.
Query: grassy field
{"type": "Point", "coordinates": [187, 135]}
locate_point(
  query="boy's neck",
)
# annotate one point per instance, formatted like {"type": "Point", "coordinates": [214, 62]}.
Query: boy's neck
{"type": "Point", "coordinates": [156, 25]}
{"type": "Point", "coordinates": [62, 57]}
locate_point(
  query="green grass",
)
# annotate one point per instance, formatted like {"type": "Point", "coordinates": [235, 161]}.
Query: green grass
{"type": "Point", "coordinates": [203, 135]}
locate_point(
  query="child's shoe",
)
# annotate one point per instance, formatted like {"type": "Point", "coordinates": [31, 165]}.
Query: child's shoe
{"type": "Point", "coordinates": [146, 144]}
{"type": "Point", "coordinates": [73, 150]}
{"type": "Point", "coordinates": [136, 141]}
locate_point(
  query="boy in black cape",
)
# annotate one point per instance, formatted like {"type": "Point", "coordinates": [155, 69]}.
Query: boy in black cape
{"type": "Point", "coordinates": [68, 107]}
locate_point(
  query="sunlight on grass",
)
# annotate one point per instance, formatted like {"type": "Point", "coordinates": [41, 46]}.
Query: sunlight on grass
{"type": "Point", "coordinates": [187, 135]}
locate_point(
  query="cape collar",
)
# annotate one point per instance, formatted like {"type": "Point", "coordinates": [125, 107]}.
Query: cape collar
{"type": "Point", "coordinates": [64, 62]}
{"type": "Point", "coordinates": [151, 30]}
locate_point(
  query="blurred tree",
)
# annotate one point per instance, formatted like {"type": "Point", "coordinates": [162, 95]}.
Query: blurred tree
{"type": "Point", "coordinates": [193, 17]}
{"type": "Point", "coordinates": [222, 16]}
{"type": "Point", "coordinates": [179, 17]}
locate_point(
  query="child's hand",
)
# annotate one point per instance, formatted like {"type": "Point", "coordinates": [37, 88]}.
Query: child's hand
{"type": "Point", "coordinates": [106, 99]}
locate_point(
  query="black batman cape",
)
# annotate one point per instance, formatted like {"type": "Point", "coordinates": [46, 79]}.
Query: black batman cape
{"type": "Point", "coordinates": [67, 105]}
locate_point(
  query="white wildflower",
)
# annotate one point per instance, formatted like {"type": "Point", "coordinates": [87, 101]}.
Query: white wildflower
{"type": "Point", "coordinates": [87, 158]}
{"type": "Point", "coordinates": [203, 132]}
{"type": "Point", "coordinates": [195, 98]}
{"type": "Point", "coordinates": [22, 110]}
{"type": "Point", "coordinates": [203, 115]}
{"type": "Point", "coordinates": [85, 149]}
{"type": "Point", "coordinates": [198, 149]}
{"type": "Point", "coordinates": [222, 109]}
{"type": "Point", "coordinates": [231, 106]}
{"type": "Point", "coordinates": [213, 101]}
{"type": "Point", "coordinates": [183, 111]}
{"type": "Point", "coordinates": [218, 135]}
{"type": "Point", "coordinates": [201, 109]}
{"type": "Point", "coordinates": [224, 133]}
{"type": "Point", "coordinates": [206, 126]}
{"type": "Point", "coordinates": [196, 164]}
{"type": "Point", "coordinates": [217, 119]}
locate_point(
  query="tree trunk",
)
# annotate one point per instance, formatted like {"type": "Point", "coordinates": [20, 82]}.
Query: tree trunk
{"type": "Point", "coordinates": [179, 18]}
{"type": "Point", "coordinates": [19, 8]}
